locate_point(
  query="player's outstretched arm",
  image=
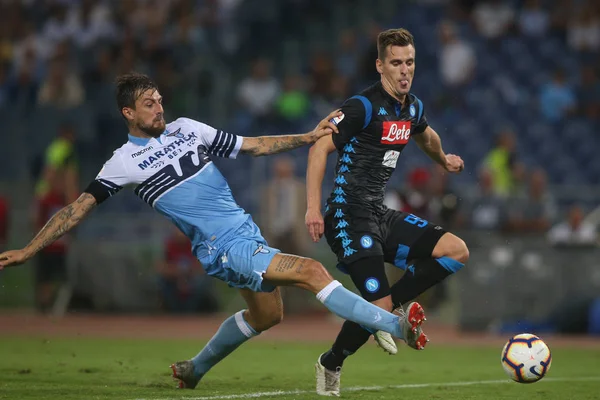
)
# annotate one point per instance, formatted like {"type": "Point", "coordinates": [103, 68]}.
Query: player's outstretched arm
{"type": "Point", "coordinates": [431, 144]}
{"type": "Point", "coordinates": [315, 172]}
{"type": "Point", "coordinates": [62, 222]}
{"type": "Point", "coordinates": [265, 145]}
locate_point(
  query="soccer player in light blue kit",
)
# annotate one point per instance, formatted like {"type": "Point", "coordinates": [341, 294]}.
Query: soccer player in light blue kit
{"type": "Point", "coordinates": [169, 167]}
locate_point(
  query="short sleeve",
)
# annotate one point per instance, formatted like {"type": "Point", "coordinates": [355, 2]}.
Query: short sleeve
{"type": "Point", "coordinates": [111, 179]}
{"type": "Point", "coordinates": [351, 122]}
{"type": "Point", "coordinates": [421, 119]}
{"type": "Point", "coordinates": [218, 142]}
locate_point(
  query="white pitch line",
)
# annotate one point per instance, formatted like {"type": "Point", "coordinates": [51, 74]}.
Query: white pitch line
{"type": "Point", "coordinates": [370, 388]}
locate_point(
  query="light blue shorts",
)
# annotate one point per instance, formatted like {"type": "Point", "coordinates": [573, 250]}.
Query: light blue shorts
{"type": "Point", "coordinates": [244, 258]}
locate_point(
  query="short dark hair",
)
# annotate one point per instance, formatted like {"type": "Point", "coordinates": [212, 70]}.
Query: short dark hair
{"type": "Point", "coordinates": [393, 37]}
{"type": "Point", "coordinates": [130, 87]}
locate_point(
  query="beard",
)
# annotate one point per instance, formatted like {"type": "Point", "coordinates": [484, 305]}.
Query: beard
{"type": "Point", "coordinates": [154, 129]}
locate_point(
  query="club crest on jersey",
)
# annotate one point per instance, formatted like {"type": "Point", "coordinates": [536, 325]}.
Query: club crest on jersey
{"type": "Point", "coordinates": [337, 120]}
{"type": "Point", "coordinates": [412, 110]}
{"type": "Point", "coordinates": [395, 132]}
{"type": "Point", "coordinates": [177, 133]}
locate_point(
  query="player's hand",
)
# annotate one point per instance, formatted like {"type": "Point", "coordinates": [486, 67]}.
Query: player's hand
{"type": "Point", "coordinates": [326, 127]}
{"type": "Point", "coordinates": [314, 223]}
{"type": "Point", "coordinates": [454, 163]}
{"type": "Point", "coordinates": [12, 258]}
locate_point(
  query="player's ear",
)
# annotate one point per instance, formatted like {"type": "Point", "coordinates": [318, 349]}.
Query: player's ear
{"type": "Point", "coordinates": [127, 113]}
{"type": "Point", "coordinates": [379, 66]}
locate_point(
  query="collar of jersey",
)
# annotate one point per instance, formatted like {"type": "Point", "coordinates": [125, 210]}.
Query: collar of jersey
{"type": "Point", "coordinates": [391, 99]}
{"type": "Point", "coordinates": [140, 141]}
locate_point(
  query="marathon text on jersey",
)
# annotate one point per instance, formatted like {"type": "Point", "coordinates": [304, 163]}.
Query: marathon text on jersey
{"type": "Point", "coordinates": [169, 151]}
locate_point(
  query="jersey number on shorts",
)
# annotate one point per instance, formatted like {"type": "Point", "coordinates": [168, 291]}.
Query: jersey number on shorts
{"type": "Point", "coordinates": [414, 220]}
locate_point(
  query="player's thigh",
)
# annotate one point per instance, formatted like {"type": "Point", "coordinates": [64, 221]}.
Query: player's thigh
{"type": "Point", "coordinates": [292, 270]}
{"type": "Point", "coordinates": [265, 309]}
{"type": "Point", "coordinates": [353, 238]}
{"type": "Point", "coordinates": [409, 237]}
{"type": "Point", "coordinates": [368, 275]}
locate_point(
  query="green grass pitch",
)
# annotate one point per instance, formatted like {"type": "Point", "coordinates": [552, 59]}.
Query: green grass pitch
{"type": "Point", "coordinates": [139, 369]}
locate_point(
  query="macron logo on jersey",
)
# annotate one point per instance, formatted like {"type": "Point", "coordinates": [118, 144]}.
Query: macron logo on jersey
{"type": "Point", "coordinates": [142, 151]}
{"type": "Point", "coordinates": [169, 151]}
{"type": "Point", "coordinates": [395, 132]}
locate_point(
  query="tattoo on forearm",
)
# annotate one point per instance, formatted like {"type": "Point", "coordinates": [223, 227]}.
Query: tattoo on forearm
{"type": "Point", "coordinates": [278, 144]}
{"type": "Point", "coordinates": [287, 263]}
{"type": "Point", "coordinates": [62, 222]}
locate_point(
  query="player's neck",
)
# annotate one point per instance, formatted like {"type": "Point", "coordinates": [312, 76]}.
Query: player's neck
{"type": "Point", "coordinates": [400, 98]}
{"type": "Point", "coordinates": [134, 131]}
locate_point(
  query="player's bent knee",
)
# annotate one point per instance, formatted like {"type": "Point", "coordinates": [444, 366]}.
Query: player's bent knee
{"type": "Point", "coordinates": [461, 251]}
{"type": "Point", "coordinates": [451, 252]}
{"type": "Point", "coordinates": [314, 273]}
{"type": "Point", "coordinates": [451, 246]}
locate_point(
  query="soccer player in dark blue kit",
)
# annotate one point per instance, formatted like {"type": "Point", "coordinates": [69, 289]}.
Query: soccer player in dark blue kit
{"type": "Point", "coordinates": [374, 128]}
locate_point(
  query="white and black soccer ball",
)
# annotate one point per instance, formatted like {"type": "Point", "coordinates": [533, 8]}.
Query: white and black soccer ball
{"type": "Point", "coordinates": [526, 358]}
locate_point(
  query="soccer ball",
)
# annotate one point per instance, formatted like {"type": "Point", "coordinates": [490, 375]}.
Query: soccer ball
{"type": "Point", "coordinates": [526, 358]}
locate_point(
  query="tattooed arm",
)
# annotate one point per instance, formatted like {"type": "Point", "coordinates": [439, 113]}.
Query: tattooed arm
{"type": "Point", "coordinates": [62, 222]}
{"type": "Point", "coordinates": [265, 145]}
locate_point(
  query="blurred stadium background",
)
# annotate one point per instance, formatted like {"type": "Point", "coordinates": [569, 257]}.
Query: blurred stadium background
{"type": "Point", "coordinates": [511, 86]}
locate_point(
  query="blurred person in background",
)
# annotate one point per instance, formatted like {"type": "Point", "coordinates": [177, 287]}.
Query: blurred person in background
{"type": "Point", "coordinates": [415, 199]}
{"type": "Point", "coordinates": [60, 163]}
{"type": "Point", "coordinates": [184, 286]}
{"type": "Point", "coordinates": [520, 178]}
{"type": "Point", "coordinates": [283, 208]}
{"type": "Point", "coordinates": [444, 204]}
{"type": "Point", "coordinates": [61, 88]}
{"type": "Point", "coordinates": [534, 20]}
{"type": "Point", "coordinates": [346, 59]}
{"type": "Point", "coordinates": [322, 74]}
{"type": "Point", "coordinates": [536, 212]}
{"type": "Point", "coordinates": [583, 30]}
{"type": "Point", "coordinates": [91, 21]}
{"type": "Point", "coordinates": [375, 127]}
{"type": "Point", "coordinates": [282, 214]}
{"type": "Point", "coordinates": [493, 18]}
{"type": "Point", "coordinates": [338, 91]}
{"type": "Point", "coordinates": [51, 262]}
{"type": "Point", "coordinates": [557, 99]}
{"type": "Point", "coordinates": [574, 231]}
{"type": "Point", "coordinates": [488, 210]}
{"type": "Point", "coordinates": [367, 74]}
{"type": "Point", "coordinates": [589, 92]}
{"type": "Point", "coordinates": [24, 83]}
{"type": "Point", "coordinates": [293, 104]}
{"type": "Point", "coordinates": [258, 93]}
{"type": "Point", "coordinates": [501, 161]}
{"type": "Point", "coordinates": [457, 58]}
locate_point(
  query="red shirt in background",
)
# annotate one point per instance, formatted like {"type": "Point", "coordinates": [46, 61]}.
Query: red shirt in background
{"type": "Point", "coordinates": [179, 254]}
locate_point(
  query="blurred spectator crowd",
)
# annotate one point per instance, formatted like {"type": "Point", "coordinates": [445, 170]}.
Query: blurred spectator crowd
{"type": "Point", "coordinates": [255, 66]}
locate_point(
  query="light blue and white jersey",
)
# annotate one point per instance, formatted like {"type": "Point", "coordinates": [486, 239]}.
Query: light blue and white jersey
{"type": "Point", "coordinates": [174, 174]}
